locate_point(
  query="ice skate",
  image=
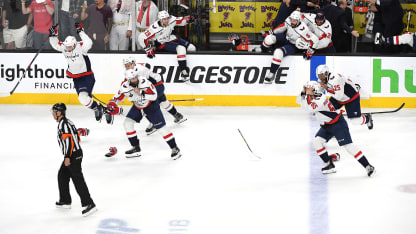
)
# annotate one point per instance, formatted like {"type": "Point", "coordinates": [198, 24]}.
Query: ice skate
{"type": "Point", "coordinates": [370, 170]}
{"type": "Point", "coordinates": [184, 75]}
{"type": "Point", "coordinates": [329, 168]}
{"type": "Point", "coordinates": [89, 210]}
{"type": "Point", "coordinates": [99, 110]}
{"type": "Point", "coordinates": [109, 118]}
{"type": "Point", "coordinates": [176, 153]}
{"type": "Point", "coordinates": [150, 129]}
{"type": "Point", "coordinates": [179, 118]}
{"type": "Point", "coordinates": [63, 205]}
{"type": "Point", "coordinates": [370, 123]}
{"type": "Point", "coordinates": [379, 39]}
{"type": "Point", "coordinates": [133, 152]}
{"type": "Point", "coordinates": [269, 78]}
{"type": "Point", "coordinates": [335, 157]}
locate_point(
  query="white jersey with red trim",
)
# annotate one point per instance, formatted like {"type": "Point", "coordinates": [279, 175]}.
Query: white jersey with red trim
{"type": "Point", "coordinates": [321, 107]}
{"type": "Point", "coordinates": [78, 62]}
{"type": "Point", "coordinates": [300, 31]}
{"type": "Point", "coordinates": [141, 97]}
{"type": "Point", "coordinates": [341, 88]}
{"type": "Point", "coordinates": [161, 34]}
{"type": "Point", "coordinates": [323, 32]}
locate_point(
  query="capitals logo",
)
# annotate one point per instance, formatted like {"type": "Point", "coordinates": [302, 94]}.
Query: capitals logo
{"type": "Point", "coordinates": [269, 16]}
{"type": "Point", "coordinates": [226, 15]}
{"type": "Point", "coordinates": [247, 14]}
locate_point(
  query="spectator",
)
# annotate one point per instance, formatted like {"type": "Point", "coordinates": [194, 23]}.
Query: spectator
{"type": "Point", "coordinates": [99, 19]}
{"type": "Point", "coordinates": [146, 15]}
{"type": "Point", "coordinates": [68, 13]}
{"type": "Point", "coordinates": [122, 24]}
{"type": "Point", "coordinates": [15, 25]}
{"type": "Point", "coordinates": [42, 16]}
{"type": "Point", "coordinates": [344, 38]}
{"type": "Point", "coordinates": [336, 16]}
{"type": "Point", "coordinates": [285, 9]}
{"type": "Point", "coordinates": [388, 21]}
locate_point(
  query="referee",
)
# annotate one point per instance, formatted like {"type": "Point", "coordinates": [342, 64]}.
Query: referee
{"type": "Point", "coordinates": [68, 140]}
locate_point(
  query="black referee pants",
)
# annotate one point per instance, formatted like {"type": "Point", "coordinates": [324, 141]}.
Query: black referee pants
{"type": "Point", "coordinates": [74, 172]}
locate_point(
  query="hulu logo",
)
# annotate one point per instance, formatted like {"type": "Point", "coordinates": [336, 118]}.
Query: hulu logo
{"type": "Point", "coordinates": [379, 73]}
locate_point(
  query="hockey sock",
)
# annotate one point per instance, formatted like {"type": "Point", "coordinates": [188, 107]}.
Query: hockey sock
{"type": "Point", "coordinates": [173, 111]}
{"type": "Point", "coordinates": [274, 68]}
{"type": "Point", "coordinates": [323, 154]}
{"type": "Point", "coordinates": [182, 65]}
{"type": "Point", "coordinates": [134, 141]}
{"type": "Point", "coordinates": [361, 159]}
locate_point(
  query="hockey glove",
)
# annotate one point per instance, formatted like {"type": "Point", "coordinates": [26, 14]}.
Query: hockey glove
{"type": "Point", "coordinates": [266, 33]}
{"type": "Point", "coordinates": [189, 19]}
{"type": "Point", "coordinates": [79, 27]}
{"type": "Point", "coordinates": [307, 55]}
{"type": "Point", "coordinates": [113, 109]}
{"type": "Point", "coordinates": [53, 31]}
{"type": "Point", "coordinates": [83, 131]}
{"type": "Point", "coordinates": [150, 51]}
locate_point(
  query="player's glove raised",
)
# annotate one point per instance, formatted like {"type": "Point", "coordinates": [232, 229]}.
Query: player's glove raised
{"type": "Point", "coordinates": [308, 53]}
{"type": "Point", "coordinates": [113, 109]}
{"type": "Point", "coordinates": [53, 31]}
{"type": "Point", "coordinates": [150, 51]}
{"type": "Point", "coordinates": [79, 27]}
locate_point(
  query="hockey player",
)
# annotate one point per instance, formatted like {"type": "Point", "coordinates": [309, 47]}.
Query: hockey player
{"type": "Point", "coordinates": [333, 124]}
{"type": "Point", "coordinates": [79, 66]}
{"type": "Point", "coordinates": [297, 37]}
{"type": "Point", "coordinates": [407, 38]}
{"type": "Point", "coordinates": [159, 36]}
{"type": "Point", "coordinates": [322, 29]}
{"type": "Point", "coordinates": [343, 92]}
{"type": "Point", "coordinates": [142, 93]}
{"type": "Point", "coordinates": [157, 81]}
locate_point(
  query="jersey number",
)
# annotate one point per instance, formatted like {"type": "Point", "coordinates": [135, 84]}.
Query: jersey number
{"type": "Point", "coordinates": [337, 88]}
{"type": "Point", "coordinates": [147, 33]}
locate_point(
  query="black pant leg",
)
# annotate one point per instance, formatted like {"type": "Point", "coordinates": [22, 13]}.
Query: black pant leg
{"type": "Point", "coordinates": [79, 181]}
{"type": "Point", "coordinates": [63, 184]}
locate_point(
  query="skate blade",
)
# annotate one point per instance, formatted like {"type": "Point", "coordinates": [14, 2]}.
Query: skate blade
{"type": "Point", "coordinates": [150, 133]}
{"type": "Point", "coordinates": [177, 156]}
{"type": "Point", "coordinates": [63, 206]}
{"type": "Point", "coordinates": [181, 121]}
{"type": "Point", "coordinates": [329, 171]}
{"type": "Point", "coordinates": [90, 212]}
{"type": "Point", "coordinates": [134, 155]}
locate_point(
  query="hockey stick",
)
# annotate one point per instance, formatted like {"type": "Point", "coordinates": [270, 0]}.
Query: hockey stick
{"type": "Point", "coordinates": [247, 144]}
{"type": "Point", "coordinates": [386, 112]}
{"type": "Point", "coordinates": [6, 94]}
{"type": "Point", "coordinates": [187, 100]}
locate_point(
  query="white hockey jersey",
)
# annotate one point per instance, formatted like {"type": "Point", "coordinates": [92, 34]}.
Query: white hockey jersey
{"type": "Point", "coordinates": [323, 32]}
{"type": "Point", "coordinates": [301, 31]}
{"type": "Point", "coordinates": [342, 88]}
{"type": "Point", "coordinates": [161, 34]}
{"type": "Point", "coordinates": [321, 107]}
{"type": "Point", "coordinates": [141, 96]}
{"type": "Point", "coordinates": [78, 62]}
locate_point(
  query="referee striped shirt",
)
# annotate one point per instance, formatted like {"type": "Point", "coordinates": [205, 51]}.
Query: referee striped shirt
{"type": "Point", "coordinates": [68, 137]}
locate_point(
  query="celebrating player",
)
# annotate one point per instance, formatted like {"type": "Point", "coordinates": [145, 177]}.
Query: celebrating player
{"type": "Point", "coordinates": [142, 93]}
{"type": "Point", "coordinates": [159, 36]}
{"type": "Point", "coordinates": [297, 37]}
{"type": "Point", "coordinates": [407, 38]}
{"type": "Point", "coordinates": [79, 65]}
{"type": "Point", "coordinates": [343, 92]}
{"type": "Point", "coordinates": [333, 124]}
{"type": "Point", "coordinates": [157, 81]}
{"type": "Point", "coordinates": [322, 29]}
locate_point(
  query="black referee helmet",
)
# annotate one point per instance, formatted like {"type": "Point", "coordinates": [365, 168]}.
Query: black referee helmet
{"type": "Point", "coordinates": [59, 107]}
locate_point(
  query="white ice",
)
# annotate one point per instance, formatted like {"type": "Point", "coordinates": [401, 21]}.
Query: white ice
{"type": "Point", "coordinates": [218, 186]}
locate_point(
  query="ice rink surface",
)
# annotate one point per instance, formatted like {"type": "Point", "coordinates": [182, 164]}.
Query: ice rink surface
{"type": "Point", "coordinates": [218, 186]}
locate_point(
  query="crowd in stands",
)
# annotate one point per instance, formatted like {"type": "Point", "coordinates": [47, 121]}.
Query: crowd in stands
{"type": "Point", "coordinates": [111, 26]}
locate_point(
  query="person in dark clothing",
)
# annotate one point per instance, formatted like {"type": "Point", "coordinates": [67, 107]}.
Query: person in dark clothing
{"type": "Point", "coordinates": [388, 21]}
{"type": "Point", "coordinates": [69, 142]}
{"type": "Point", "coordinates": [286, 8]}
{"type": "Point", "coordinates": [344, 38]}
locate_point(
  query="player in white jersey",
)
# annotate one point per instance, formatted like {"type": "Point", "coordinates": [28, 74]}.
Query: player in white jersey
{"type": "Point", "coordinates": [157, 81]}
{"type": "Point", "coordinates": [142, 93]}
{"type": "Point", "coordinates": [79, 65]}
{"type": "Point", "coordinates": [332, 124]}
{"type": "Point", "coordinates": [322, 29]}
{"type": "Point", "coordinates": [159, 36]}
{"type": "Point", "coordinates": [407, 38]}
{"type": "Point", "coordinates": [343, 92]}
{"type": "Point", "coordinates": [146, 11]}
{"type": "Point", "coordinates": [289, 34]}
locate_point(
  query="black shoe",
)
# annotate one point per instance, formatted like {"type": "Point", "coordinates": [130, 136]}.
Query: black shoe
{"type": "Point", "coordinates": [99, 109]}
{"type": "Point", "coordinates": [63, 205]}
{"type": "Point", "coordinates": [176, 153]}
{"type": "Point", "coordinates": [329, 168]}
{"type": "Point", "coordinates": [370, 123]}
{"type": "Point", "coordinates": [89, 210]}
{"type": "Point", "coordinates": [179, 118]}
{"type": "Point", "coordinates": [370, 170]}
{"type": "Point", "coordinates": [133, 152]}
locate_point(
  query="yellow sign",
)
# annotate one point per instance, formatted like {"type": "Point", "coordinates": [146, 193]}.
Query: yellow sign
{"type": "Point", "coordinates": [246, 17]}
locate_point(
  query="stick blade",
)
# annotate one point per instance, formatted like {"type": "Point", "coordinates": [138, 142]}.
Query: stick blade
{"type": "Point", "coordinates": [3, 94]}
